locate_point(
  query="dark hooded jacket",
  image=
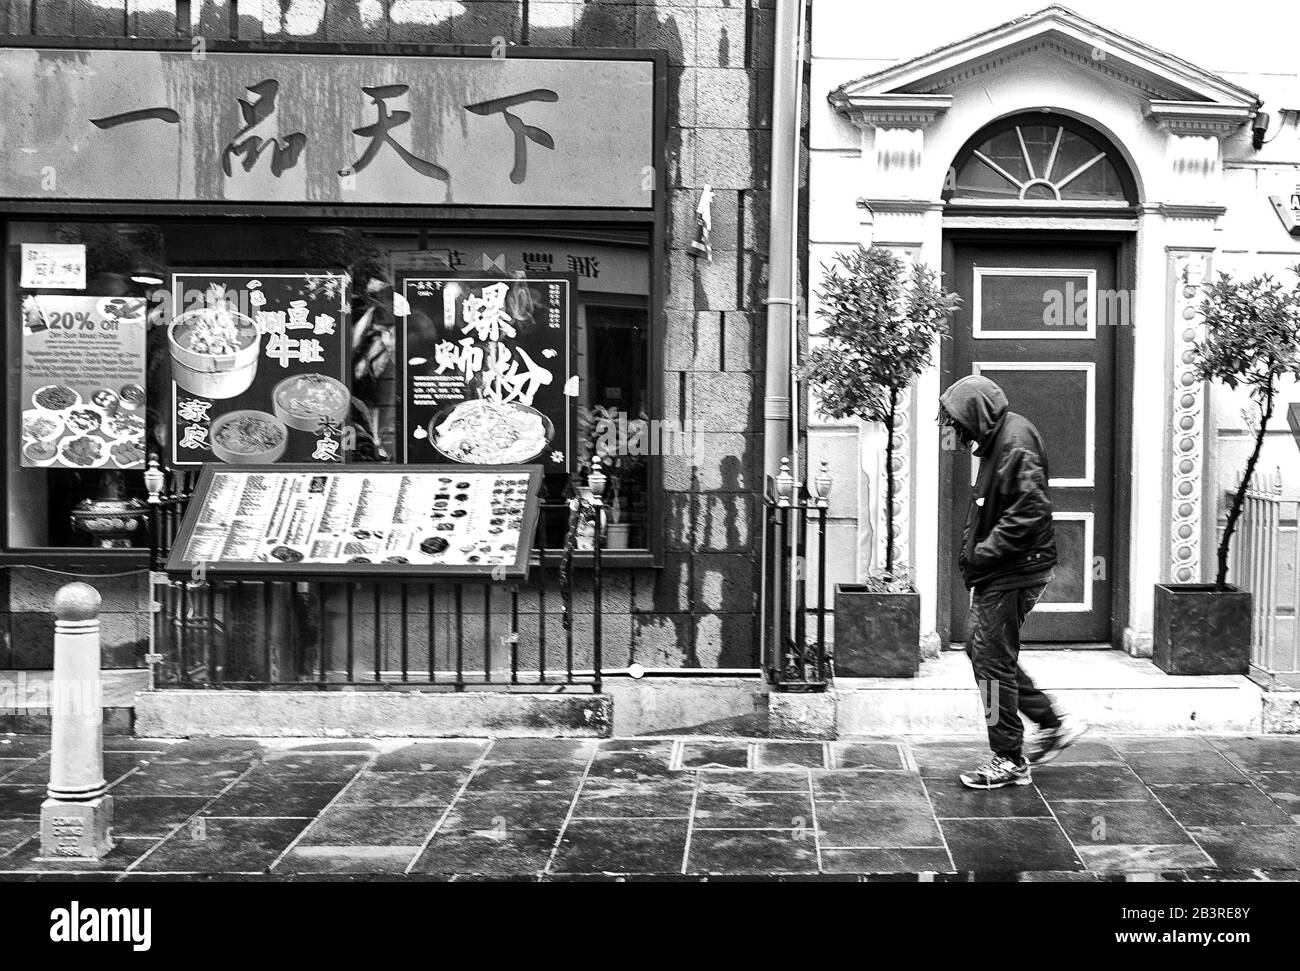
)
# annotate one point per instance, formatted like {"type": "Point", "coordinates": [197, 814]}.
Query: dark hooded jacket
{"type": "Point", "coordinates": [1009, 540]}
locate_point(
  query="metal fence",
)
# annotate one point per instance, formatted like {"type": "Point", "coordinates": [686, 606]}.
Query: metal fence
{"type": "Point", "coordinates": [794, 515]}
{"type": "Point", "coordinates": [1263, 560]}
{"type": "Point", "coordinates": [422, 633]}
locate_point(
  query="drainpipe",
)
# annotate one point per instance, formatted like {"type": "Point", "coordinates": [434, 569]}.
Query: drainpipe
{"type": "Point", "coordinates": [780, 423]}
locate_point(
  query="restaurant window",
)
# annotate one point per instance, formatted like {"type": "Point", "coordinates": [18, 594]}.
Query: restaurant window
{"type": "Point", "coordinates": [84, 430]}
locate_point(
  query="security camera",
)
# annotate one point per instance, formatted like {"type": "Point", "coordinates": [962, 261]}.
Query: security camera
{"type": "Point", "coordinates": [1259, 129]}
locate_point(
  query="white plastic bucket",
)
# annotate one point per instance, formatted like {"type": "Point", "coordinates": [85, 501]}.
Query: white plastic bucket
{"type": "Point", "coordinates": [214, 376]}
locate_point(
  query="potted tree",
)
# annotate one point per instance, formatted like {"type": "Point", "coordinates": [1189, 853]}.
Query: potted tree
{"type": "Point", "coordinates": [882, 321]}
{"type": "Point", "coordinates": [1252, 341]}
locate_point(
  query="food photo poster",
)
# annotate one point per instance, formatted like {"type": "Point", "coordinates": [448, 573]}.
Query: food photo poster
{"type": "Point", "coordinates": [258, 367]}
{"type": "Point", "coordinates": [83, 378]}
{"type": "Point", "coordinates": [488, 370]}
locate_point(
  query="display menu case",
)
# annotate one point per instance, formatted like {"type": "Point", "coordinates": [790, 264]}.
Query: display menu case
{"type": "Point", "coordinates": [303, 521]}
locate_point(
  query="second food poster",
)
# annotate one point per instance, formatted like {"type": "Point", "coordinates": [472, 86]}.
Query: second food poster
{"type": "Point", "coordinates": [258, 367]}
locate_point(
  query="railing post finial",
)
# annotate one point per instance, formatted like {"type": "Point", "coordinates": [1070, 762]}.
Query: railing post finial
{"type": "Point", "coordinates": [822, 483]}
{"type": "Point", "coordinates": [784, 483]}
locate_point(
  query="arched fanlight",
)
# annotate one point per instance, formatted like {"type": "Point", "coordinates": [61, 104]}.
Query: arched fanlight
{"type": "Point", "coordinates": [1040, 159]}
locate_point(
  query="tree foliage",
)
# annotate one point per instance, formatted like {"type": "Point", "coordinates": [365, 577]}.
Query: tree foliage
{"type": "Point", "coordinates": [881, 323]}
{"type": "Point", "coordinates": [1252, 340]}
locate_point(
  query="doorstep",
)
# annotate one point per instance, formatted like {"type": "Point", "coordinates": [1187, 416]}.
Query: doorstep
{"type": "Point", "coordinates": [1110, 690]}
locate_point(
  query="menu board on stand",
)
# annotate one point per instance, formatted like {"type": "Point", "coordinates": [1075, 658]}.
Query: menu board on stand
{"type": "Point", "coordinates": [488, 370]}
{"type": "Point", "coordinates": [258, 367]}
{"type": "Point", "coordinates": [360, 521]}
{"type": "Point", "coordinates": [83, 367]}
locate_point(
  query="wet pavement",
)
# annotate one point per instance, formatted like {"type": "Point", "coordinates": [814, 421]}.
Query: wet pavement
{"type": "Point", "coordinates": [1175, 808]}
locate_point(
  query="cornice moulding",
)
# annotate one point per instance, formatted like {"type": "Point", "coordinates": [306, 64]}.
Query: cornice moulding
{"type": "Point", "coordinates": [891, 110]}
{"type": "Point", "coordinates": [1198, 117]}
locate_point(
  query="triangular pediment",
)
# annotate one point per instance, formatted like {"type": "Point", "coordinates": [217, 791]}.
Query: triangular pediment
{"type": "Point", "coordinates": [932, 79]}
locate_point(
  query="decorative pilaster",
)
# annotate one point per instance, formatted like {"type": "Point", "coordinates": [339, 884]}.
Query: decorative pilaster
{"type": "Point", "coordinates": [1195, 133]}
{"type": "Point", "coordinates": [1187, 425]}
{"type": "Point", "coordinates": [893, 128]}
{"type": "Point", "coordinates": [902, 436]}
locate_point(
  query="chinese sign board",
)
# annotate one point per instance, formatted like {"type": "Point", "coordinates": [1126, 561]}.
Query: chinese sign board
{"type": "Point", "coordinates": [258, 367]}
{"type": "Point", "coordinates": [513, 131]}
{"type": "Point", "coordinates": [360, 520]}
{"type": "Point", "coordinates": [53, 266]}
{"type": "Point", "coordinates": [597, 269]}
{"type": "Point", "coordinates": [488, 370]}
{"type": "Point", "coordinates": [83, 374]}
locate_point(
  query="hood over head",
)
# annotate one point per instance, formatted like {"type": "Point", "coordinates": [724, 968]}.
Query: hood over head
{"type": "Point", "coordinates": [977, 405]}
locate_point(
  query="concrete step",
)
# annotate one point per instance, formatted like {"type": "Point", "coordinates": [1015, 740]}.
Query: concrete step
{"type": "Point", "coordinates": [344, 714]}
{"type": "Point", "coordinates": [1112, 691]}
{"type": "Point", "coordinates": [23, 690]}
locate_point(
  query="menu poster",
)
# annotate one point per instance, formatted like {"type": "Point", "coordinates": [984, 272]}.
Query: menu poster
{"type": "Point", "coordinates": [83, 367]}
{"type": "Point", "coordinates": [305, 520]}
{"type": "Point", "coordinates": [488, 370]}
{"type": "Point", "coordinates": [258, 367]}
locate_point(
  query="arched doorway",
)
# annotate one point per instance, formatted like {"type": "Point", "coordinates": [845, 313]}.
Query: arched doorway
{"type": "Point", "coordinates": [1046, 306]}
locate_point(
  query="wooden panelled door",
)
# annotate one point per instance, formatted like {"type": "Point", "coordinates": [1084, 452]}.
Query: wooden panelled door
{"type": "Point", "coordinates": [1040, 320]}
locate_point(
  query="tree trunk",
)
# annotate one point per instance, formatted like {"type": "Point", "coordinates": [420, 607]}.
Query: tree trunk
{"type": "Point", "coordinates": [889, 484]}
{"type": "Point", "coordinates": [1239, 500]}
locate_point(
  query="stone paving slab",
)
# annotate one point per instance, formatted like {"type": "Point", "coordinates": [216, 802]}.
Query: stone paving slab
{"type": "Point", "coordinates": [1178, 807]}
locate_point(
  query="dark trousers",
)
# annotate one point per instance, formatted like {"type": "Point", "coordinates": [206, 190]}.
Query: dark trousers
{"type": "Point", "coordinates": [993, 643]}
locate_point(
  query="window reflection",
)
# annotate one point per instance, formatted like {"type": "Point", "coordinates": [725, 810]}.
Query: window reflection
{"type": "Point", "coordinates": [609, 267]}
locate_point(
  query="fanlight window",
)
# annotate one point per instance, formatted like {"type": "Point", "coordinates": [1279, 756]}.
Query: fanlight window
{"type": "Point", "coordinates": [1040, 162]}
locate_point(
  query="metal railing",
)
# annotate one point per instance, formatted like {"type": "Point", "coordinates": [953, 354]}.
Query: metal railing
{"type": "Point", "coordinates": [544, 633]}
{"type": "Point", "coordinates": [792, 514]}
{"type": "Point", "coordinates": [1263, 560]}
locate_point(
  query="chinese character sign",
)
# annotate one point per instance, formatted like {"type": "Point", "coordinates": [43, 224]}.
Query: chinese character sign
{"type": "Point", "coordinates": [83, 402]}
{"type": "Point", "coordinates": [259, 367]}
{"type": "Point", "coordinates": [489, 370]}
{"type": "Point", "coordinates": [321, 128]}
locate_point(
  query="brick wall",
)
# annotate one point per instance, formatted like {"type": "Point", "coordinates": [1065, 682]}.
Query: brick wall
{"type": "Point", "coordinates": [698, 610]}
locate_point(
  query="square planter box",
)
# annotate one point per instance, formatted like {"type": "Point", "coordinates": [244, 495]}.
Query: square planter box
{"type": "Point", "coordinates": [877, 635]}
{"type": "Point", "coordinates": [1201, 630]}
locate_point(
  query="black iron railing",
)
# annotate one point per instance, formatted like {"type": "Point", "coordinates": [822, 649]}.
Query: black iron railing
{"type": "Point", "coordinates": [544, 633]}
{"type": "Point", "coordinates": [792, 515]}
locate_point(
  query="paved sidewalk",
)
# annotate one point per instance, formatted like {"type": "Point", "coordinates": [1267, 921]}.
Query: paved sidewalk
{"type": "Point", "coordinates": [1113, 808]}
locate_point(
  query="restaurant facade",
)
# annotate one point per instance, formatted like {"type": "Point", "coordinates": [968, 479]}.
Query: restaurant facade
{"type": "Point", "coordinates": [282, 278]}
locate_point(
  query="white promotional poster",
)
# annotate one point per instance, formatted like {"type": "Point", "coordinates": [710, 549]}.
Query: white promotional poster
{"type": "Point", "coordinates": [83, 398]}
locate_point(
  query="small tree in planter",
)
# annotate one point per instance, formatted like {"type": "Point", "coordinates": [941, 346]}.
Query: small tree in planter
{"type": "Point", "coordinates": [1252, 341]}
{"type": "Point", "coordinates": [882, 321]}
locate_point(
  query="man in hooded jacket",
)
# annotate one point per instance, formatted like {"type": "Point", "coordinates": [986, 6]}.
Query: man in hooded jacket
{"type": "Point", "coordinates": [1006, 559]}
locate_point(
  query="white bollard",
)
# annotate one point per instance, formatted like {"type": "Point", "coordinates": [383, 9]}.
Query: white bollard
{"type": "Point", "coordinates": [77, 818]}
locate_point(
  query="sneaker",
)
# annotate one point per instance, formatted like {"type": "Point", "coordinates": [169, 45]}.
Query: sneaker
{"type": "Point", "coordinates": [1048, 745]}
{"type": "Point", "coordinates": [996, 773]}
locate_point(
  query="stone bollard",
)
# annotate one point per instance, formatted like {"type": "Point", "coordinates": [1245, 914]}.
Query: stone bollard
{"type": "Point", "coordinates": [76, 819]}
